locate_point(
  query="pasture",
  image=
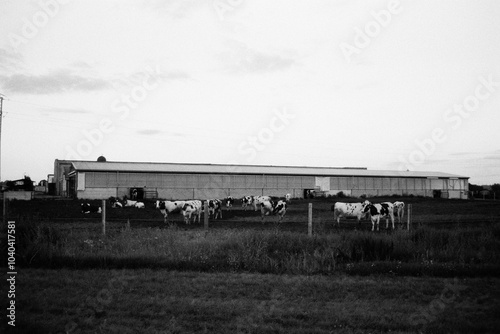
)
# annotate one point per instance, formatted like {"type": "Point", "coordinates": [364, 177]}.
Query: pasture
{"type": "Point", "coordinates": [243, 276]}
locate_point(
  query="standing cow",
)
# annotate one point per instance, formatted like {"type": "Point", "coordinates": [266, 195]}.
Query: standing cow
{"type": "Point", "coordinates": [229, 201]}
{"type": "Point", "coordinates": [269, 207]}
{"type": "Point", "coordinates": [191, 209]}
{"type": "Point", "coordinates": [214, 208]}
{"type": "Point", "coordinates": [399, 210]}
{"type": "Point", "coordinates": [167, 207]}
{"type": "Point", "coordinates": [355, 210]}
{"type": "Point", "coordinates": [377, 211]}
{"type": "Point", "coordinates": [258, 200]}
{"type": "Point", "coordinates": [246, 201]}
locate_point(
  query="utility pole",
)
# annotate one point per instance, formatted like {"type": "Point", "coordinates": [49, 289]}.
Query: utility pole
{"type": "Point", "coordinates": [1, 116]}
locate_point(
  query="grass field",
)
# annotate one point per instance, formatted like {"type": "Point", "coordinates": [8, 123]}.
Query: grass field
{"type": "Point", "coordinates": [242, 276]}
{"type": "Point", "coordinates": [162, 301]}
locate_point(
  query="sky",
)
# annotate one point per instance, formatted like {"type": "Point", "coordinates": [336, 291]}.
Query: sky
{"type": "Point", "coordinates": [386, 85]}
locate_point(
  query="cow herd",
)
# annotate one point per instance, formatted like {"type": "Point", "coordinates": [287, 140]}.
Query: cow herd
{"type": "Point", "coordinates": [375, 211]}
{"type": "Point", "coordinates": [194, 208]}
{"type": "Point", "coordinates": [191, 210]}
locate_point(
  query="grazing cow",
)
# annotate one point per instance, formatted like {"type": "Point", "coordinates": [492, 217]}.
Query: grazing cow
{"type": "Point", "coordinates": [229, 201]}
{"type": "Point", "coordinates": [214, 208]}
{"type": "Point", "coordinates": [341, 209]}
{"type": "Point", "coordinates": [246, 201]}
{"type": "Point", "coordinates": [288, 198]}
{"type": "Point", "coordinates": [167, 207]}
{"type": "Point", "coordinates": [269, 207]}
{"type": "Point", "coordinates": [191, 208]}
{"type": "Point", "coordinates": [258, 200]}
{"type": "Point", "coordinates": [88, 208]}
{"type": "Point", "coordinates": [399, 210]}
{"type": "Point", "coordinates": [377, 211]}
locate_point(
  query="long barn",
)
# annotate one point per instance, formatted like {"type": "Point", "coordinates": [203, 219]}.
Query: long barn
{"type": "Point", "coordinates": [100, 180]}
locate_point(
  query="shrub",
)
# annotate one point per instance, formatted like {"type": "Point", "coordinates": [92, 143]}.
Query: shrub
{"type": "Point", "coordinates": [341, 194]}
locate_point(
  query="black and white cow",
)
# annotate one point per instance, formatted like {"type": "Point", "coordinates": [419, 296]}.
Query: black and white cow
{"type": "Point", "coordinates": [246, 201]}
{"type": "Point", "coordinates": [167, 207]}
{"type": "Point", "coordinates": [377, 211]}
{"type": "Point", "coordinates": [214, 208]}
{"type": "Point", "coordinates": [229, 201]}
{"type": "Point", "coordinates": [258, 200]}
{"type": "Point", "coordinates": [191, 209]}
{"type": "Point", "coordinates": [355, 210]}
{"type": "Point", "coordinates": [133, 204]}
{"type": "Point", "coordinates": [269, 207]}
{"type": "Point", "coordinates": [115, 203]}
{"type": "Point", "coordinates": [88, 208]}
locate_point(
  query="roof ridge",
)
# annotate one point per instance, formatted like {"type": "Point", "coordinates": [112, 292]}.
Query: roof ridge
{"type": "Point", "coordinates": [172, 167]}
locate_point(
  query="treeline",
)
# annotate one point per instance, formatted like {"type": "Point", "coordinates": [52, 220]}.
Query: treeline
{"type": "Point", "coordinates": [485, 191]}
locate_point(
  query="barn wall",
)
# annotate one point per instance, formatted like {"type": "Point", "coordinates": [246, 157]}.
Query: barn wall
{"type": "Point", "coordinates": [379, 186]}
{"type": "Point", "coordinates": [186, 186]}
{"type": "Point", "coordinates": [96, 193]}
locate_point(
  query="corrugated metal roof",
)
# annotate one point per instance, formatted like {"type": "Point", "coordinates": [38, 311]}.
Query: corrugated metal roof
{"type": "Point", "coordinates": [111, 166]}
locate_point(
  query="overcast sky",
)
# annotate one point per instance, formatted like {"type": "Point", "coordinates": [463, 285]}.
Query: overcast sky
{"type": "Point", "coordinates": [397, 85]}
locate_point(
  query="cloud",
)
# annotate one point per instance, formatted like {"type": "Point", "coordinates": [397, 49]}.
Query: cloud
{"type": "Point", "coordinates": [54, 82]}
{"type": "Point", "coordinates": [494, 156]}
{"type": "Point", "coordinates": [150, 75]}
{"type": "Point", "coordinates": [241, 58]}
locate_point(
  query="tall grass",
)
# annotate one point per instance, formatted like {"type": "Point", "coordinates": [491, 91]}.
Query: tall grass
{"type": "Point", "coordinates": [422, 251]}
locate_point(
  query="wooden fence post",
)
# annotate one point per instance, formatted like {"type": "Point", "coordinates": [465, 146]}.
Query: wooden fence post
{"type": "Point", "coordinates": [310, 221]}
{"type": "Point", "coordinates": [205, 216]}
{"type": "Point", "coordinates": [103, 217]}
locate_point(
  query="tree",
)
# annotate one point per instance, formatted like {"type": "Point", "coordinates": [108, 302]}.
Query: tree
{"type": "Point", "coordinates": [495, 188]}
{"type": "Point", "coordinates": [28, 184]}
{"type": "Point", "coordinates": [475, 187]}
